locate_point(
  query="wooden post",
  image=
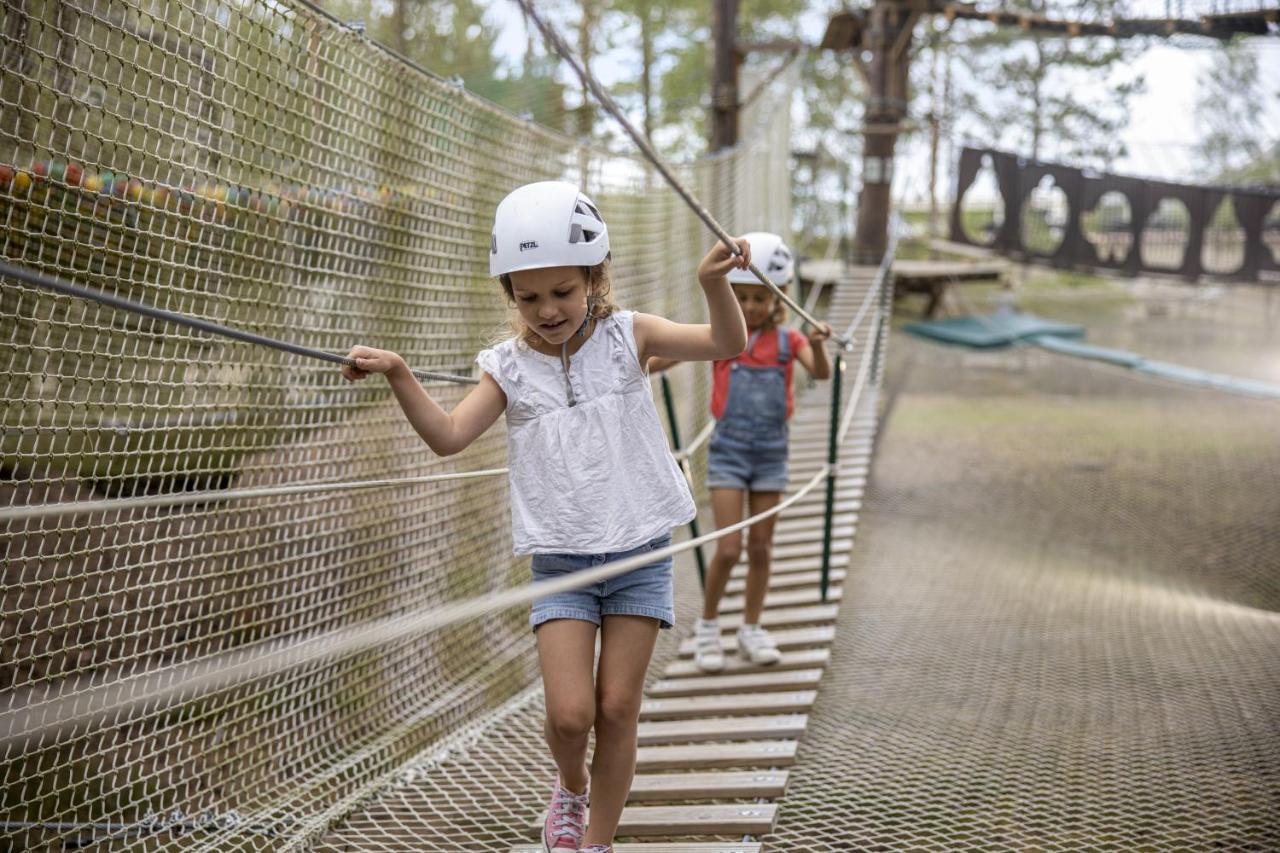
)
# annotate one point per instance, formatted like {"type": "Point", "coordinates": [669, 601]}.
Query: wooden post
{"type": "Point", "coordinates": [724, 78]}
{"type": "Point", "coordinates": [888, 37]}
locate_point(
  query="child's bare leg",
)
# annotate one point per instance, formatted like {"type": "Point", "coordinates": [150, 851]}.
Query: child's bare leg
{"type": "Point", "coordinates": [726, 506]}
{"type": "Point", "coordinates": [759, 554]}
{"type": "Point", "coordinates": [626, 644]}
{"type": "Point", "coordinates": [566, 653]}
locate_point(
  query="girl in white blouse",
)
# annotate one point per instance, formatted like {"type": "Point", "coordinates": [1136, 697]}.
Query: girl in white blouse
{"type": "Point", "coordinates": [592, 480]}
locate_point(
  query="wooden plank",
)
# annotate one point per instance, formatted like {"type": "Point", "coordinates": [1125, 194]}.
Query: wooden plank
{"type": "Point", "coordinates": [819, 496]}
{"type": "Point", "coordinates": [853, 475]}
{"type": "Point", "coordinates": [801, 564]}
{"type": "Point", "coordinates": [815, 524]}
{"type": "Point", "coordinates": [786, 639]}
{"type": "Point", "coordinates": [790, 537]}
{"type": "Point", "coordinates": [662, 847]}
{"type": "Point", "coordinates": [764, 680]}
{"type": "Point", "coordinates": [846, 492]}
{"type": "Point", "coordinates": [800, 472]}
{"type": "Point", "coordinates": [723, 729]}
{"type": "Point", "coordinates": [788, 581]}
{"type": "Point", "coordinates": [915, 273]}
{"type": "Point", "coordinates": [805, 509]}
{"type": "Point", "coordinates": [783, 598]}
{"type": "Point", "coordinates": [790, 616]}
{"type": "Point", "coordinates": [706, 819]}
{"type": "Point", "coordinates": [716, 785]}
{"type": "Point", "coordinates": [803, 549]}
{"type": "Point", "coordinates": [687, 707]}
{"type": "Point", "coordinates": [710, 756]}
{"type": "Point", "coordinates": [735, 663]}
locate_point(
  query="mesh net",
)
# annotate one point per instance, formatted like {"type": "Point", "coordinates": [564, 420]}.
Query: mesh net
{"type": "Point", "coordinates": [483, 788]}
{"type": "Point", "coordinates": [1059, 630]}
{"type": "Point", "coordinates": [257, 164]}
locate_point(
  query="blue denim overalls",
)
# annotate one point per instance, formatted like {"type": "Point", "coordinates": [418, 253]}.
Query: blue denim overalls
{"type": "Point", "coordinates": [750, 439]}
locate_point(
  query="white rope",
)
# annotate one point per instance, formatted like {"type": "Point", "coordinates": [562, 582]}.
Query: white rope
{"type": "Point", "coordinates": [698, 440]}
{"type": "Point", "coordinates": [53, 710]}
{"type": "Point", "coordinates": [19, 513]}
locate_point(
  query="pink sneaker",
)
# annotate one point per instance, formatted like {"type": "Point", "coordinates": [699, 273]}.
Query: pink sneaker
{"type": "Point", "coordinates": [566, 821]}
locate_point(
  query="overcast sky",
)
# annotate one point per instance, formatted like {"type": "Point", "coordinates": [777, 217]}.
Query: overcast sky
{"type": "Point", "coordinates": [1162, 127]}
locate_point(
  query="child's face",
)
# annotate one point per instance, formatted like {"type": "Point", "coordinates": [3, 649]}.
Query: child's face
{"type": "Point", "coordinates": [552, 301]}
{"type": "Point", "coordinates": [757, 301]}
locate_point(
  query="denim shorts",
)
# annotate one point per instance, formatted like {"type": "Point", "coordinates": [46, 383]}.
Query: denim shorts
{"type": "Point", "coordinates": [734, 463]}
{"type": "Point", "coordinates": [645, 591]}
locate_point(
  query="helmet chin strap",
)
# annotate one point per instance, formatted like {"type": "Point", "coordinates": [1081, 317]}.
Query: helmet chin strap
{"type": "Point", "coordinates": [564, 350]}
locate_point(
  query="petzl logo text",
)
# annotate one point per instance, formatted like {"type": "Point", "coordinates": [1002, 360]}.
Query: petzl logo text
{"type": "Point", "coordinates": [528, 244]}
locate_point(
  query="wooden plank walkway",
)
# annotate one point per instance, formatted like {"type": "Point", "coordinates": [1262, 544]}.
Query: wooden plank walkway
{"type": "Point", "coordinates": [710, 738]}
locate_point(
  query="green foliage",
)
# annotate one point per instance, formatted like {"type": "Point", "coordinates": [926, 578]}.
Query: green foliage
{"type": "Point", "coordinates": [1046, 96]}
{"type": "Point", "coordinates": [1229, 104]}
{"type": "Point", "coordinates": [452, 39]}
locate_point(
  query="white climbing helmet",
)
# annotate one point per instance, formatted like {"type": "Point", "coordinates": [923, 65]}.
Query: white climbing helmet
{"type": "Point", "coordinates": [771, 255]}
{"type": "Point", "coordinates": [546, 224]}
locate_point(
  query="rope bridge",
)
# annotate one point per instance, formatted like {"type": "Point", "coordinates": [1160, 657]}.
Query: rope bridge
{"type": "Point", "coordinates": [173, 498]}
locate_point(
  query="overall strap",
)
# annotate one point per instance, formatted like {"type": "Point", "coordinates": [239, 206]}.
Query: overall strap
{"type": "Point", "coordinates": [784, 345]}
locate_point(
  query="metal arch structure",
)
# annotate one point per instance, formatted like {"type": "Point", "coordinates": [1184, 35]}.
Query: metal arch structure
{"type": "Point", "coordinates": [1017, 176]}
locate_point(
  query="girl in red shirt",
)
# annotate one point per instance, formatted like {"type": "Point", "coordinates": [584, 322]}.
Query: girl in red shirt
{"type": "Point", "coordinates": [752, 399]}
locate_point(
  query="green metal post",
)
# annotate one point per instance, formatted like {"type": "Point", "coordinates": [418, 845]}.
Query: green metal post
{"type": "Point", "coordinates": [675, 440]}
{"type": "Point", "coordinates": [836, 383]}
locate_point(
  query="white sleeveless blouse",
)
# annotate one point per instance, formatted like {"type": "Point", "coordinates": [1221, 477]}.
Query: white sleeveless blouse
{"type": "Point", "coordinates": [596, 477]}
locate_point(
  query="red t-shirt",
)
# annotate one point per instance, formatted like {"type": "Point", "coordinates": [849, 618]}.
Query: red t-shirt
{"type": "Point", "coordinates": [763, 354]}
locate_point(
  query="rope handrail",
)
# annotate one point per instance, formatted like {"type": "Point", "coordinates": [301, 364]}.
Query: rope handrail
{"type": "Point", "coordinates": [20, 513]}
{"type": "Point", "coordinates": [48, 282]}
{"type": "Point", "coordinates": [606, 100]}
{"type": "Point", "coordinates": [882, 274]}
{"type": "Point", "coordinates": [698, 440]}
{"type": "Point", "coordinates": [46, 716]}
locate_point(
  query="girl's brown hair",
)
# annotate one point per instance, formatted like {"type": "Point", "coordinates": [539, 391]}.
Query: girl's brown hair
{"type": "Point", "coordinates": [778, 316]}
{"type": "Point", "coordinates": [599, 299]}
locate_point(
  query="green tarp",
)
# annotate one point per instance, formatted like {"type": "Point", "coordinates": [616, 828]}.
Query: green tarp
{"type": "Point", "coordinates": [992, 330]}
{"type": "Point", "coordinates": [1004, 329]}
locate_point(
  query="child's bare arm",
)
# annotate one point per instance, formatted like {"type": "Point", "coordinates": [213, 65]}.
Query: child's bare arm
{"type": "Point", "coordinates": [657, 365]}
{"type": "Point", "coordinates": [814, 357]}
{"type": "Point", "coordinates": [726, 334]}
{"type": "Point", "coordinates": [446, 433]}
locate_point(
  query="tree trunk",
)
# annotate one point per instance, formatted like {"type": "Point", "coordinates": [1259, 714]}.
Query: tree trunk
{"type": "Point", "coordinates": [646, 62]}
{"type": "Point", "coordinates": [724, 78]}
{"type": "Point", "coordinates": [401, 23]}
{"type": "Point", "coordinates": [586, 29]}
{"type": "Point", "coordinates": [1037, 121]}
{"type": "Point", "coordinates": [888, 38]}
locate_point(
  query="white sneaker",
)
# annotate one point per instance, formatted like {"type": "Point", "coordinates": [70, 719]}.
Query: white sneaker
{"type": "Point", "coordinates": [755, 644]}
{"type": "Point", "coordinates": [707, 652]}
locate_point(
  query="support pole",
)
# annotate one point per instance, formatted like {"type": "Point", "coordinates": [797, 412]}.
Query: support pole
{"type": "Point", "coordinates": [669, 399]}
{"type": "Point", "coordinates": [837, 377]}
{"type": "Point", "coordinates": [724, 76]}
{"type": "Point", "coordinates": [888, 37]}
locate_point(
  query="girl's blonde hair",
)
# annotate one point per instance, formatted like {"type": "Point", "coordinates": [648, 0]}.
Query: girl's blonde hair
{"type": "Point", "coordinates": [600, 302]}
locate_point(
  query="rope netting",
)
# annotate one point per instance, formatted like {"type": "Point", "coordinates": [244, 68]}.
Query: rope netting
{"type": "Point", "coordinates": [483, 788]}
{"type": "Point", "coordinates": [1059, 629]}
{"type": "Point", "coordinates": [259, 165]}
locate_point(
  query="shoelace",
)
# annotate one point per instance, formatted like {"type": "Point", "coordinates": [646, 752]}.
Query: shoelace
{"type": "Point", "coordinates": [567, 813]}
